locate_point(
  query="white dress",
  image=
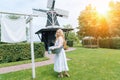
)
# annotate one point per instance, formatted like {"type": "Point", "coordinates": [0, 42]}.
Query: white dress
{"type": "Point", "coordinates": [60, 61]}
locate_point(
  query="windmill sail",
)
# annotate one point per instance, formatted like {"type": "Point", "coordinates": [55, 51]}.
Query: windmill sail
{"type": "Point", "coordinates": [40, 12]}
{"type": "Point", "coordinates": [51, 14]}
{"type": "Point", "coordinates": [51, 4]}
{"type": "Point", "coordinates": [62, 13]}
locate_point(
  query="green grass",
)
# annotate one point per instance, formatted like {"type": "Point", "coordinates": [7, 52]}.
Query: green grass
{"type": "Point", "coordinates": [22, 62]}
{"type": "Point", "coordinates": [86, 64]}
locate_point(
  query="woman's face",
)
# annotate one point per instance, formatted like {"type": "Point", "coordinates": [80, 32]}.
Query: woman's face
{"type": "Point", "coordinates": [58, 33]}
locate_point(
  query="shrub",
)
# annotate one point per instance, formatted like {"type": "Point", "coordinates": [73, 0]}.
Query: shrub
{"type": "Point", "coordinates": [70, 43]}
{"type": "Point", "coordinates": [116, 43]}
{"type": "Point", "coordinates": [104, 43]}
{"type": "Point", "coordinates": [113, 43]}
{"type": "Point", "coordinates": [72, 39]}
{"type": "Point", "coordinates": [20, 51]}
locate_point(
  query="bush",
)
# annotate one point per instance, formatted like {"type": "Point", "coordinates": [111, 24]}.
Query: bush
{"type": "Point", "coordinates": [113, 43]}
{"type": "Point", "coordinates": [104, 43]}
{"type": "Point", "coordinates": [70, 43]}
{"type": "Point", "coordinates": [72, 39]}
{"type": "Point", "coordinates": [20, 51]}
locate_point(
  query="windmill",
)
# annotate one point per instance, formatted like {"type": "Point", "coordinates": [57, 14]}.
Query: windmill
{"type": "Point", "coordinates": [48, 33]}
{"type": "Point", "coordinates": [52, 14]}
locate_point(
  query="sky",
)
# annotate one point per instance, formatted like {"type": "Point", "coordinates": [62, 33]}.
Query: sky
{"type": "Point", "coordinates": [25, 6]}
{"type": "Point", "coordinates": [73, 6]}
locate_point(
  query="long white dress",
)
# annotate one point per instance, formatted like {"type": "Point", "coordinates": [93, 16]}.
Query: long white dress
{"type": "Point", "coordinates": [60, 61]}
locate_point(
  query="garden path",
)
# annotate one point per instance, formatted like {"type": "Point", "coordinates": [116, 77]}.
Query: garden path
{"type": "Point", "coordinates": [29, 65]}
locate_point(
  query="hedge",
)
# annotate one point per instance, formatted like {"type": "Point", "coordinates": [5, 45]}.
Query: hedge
{"type": "Point", "coordinates": [19, 52]}
{"type": "Point", "coordinates": [105, 43]}
{"type": "Point", "coordinates": [113, 43]}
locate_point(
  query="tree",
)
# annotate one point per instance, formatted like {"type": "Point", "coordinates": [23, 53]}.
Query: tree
{"type": "Point", "coordinates": [88, 22]}
{"type": "Point", "coordinates": [114, 18]}
{"type": "Point", "coordinates": [91, 23]}
{"type": "Point", "coordinates": [71, 36]}
{"type": "Point", "coordinates": [67, 26]}
{"type": "Point", "coordinates": [103, 27]}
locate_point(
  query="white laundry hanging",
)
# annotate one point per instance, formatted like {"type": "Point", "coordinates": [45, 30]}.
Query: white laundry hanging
{"type": "Point", "coordinates": [13, 30]}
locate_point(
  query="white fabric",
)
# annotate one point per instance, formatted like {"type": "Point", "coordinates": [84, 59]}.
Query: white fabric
{"type": "Point", "coordinates": [60, 62]}
{"type": "Point", "coordinates": [13, 30]}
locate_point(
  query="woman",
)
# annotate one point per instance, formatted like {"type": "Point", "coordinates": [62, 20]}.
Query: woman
{"type": "Point", "coordinates": [60, 63]}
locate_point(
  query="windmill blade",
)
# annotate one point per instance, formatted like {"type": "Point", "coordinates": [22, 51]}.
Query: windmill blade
{"type": "Point", "coordinates": [62, 13]}
{"type": "Point", "coordinates": [40, 12]}
{"type": "Point", "coordinates": [51, 4]}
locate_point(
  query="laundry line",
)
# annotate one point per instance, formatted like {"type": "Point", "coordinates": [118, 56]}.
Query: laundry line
{"type": "Point", "coordinates": [28, 20]}
{"type": "Point", "coordinates": [34, 15]}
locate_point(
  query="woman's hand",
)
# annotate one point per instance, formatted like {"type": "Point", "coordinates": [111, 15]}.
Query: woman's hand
{"type": "Point", "coordinates": [52, 48]}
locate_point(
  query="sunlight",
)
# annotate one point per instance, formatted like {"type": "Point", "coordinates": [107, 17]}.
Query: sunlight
{"type": "Point", "coordinates": [102, 10]}
{"type": "Point", "coordinates": [102, 6]}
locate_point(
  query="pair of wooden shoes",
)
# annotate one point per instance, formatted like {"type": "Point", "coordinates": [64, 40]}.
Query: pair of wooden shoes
{"type": "Point", "coordinates": [61, 75]}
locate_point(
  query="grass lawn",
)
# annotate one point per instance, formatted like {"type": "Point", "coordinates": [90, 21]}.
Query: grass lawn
{"type": "Point", "coordinates": [86, 64]}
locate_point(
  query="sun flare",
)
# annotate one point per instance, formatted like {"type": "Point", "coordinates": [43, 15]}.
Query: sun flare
{"type": "Point", "coordinates": [102, 6]}
{"type": "Point", "coordinates": [102, 10]}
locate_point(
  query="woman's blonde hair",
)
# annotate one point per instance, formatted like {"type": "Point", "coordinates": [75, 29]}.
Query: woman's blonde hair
{"type": "Point", "coordinates": [62, 35]}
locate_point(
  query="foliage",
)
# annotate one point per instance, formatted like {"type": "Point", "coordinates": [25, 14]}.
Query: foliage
{"type": "Point", "coordinates": [104, 43]}
{"type": "Point", "coordinates": [70, 43]}
{"type": "Point", "coordinates": [113, 43]}
{"type": "Point", "coordinates": [71, 37]}
{"type": "Point", "coordinates": [19, 51]}
{"type": "Point", "coordinates": [0, 32]}
{"type": "Point", "coordinates": [91, 23]}
{"type": "Point", "coordinates": [13, 16]}
{"type": "Point", "coordinates": [85, 64]}
{"type": "Point", "coordinates": [87, 22]}
{"type": "Point", "coordinates": [67, 26]}
{"type": "Point", "coordinates": [114, 18]}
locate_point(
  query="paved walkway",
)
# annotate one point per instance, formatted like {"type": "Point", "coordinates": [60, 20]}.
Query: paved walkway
{"type": "Point", "coordinates": [29, 65]}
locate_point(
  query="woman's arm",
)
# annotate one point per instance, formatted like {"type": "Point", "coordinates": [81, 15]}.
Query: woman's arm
{"type": "Point", "coordinates": [60, 44]}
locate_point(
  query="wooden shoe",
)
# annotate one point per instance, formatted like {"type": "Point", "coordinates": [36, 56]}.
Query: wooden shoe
{"type": "Point", "coordinates": [66, 74]}
{"type": "Point", "coordinates": [60, 76]}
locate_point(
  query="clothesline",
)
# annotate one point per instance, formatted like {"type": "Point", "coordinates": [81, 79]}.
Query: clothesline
{"type": "Point", "coordinates": [7, 28]}
{"type": "Point", "coordinates": [29, 20]}
{"type": "Point", "coordinates": [33, 15]}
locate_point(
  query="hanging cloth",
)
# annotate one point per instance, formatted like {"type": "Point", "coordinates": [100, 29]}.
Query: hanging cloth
{"type": "Point", "coordinates": [13, 30]}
